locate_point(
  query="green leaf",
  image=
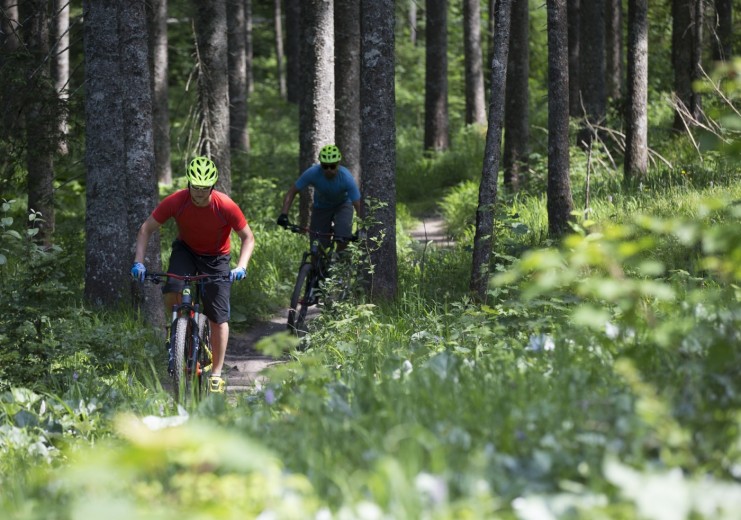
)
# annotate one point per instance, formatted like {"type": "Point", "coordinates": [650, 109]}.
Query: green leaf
{"type": "Point", "coordinates": [6, 221]}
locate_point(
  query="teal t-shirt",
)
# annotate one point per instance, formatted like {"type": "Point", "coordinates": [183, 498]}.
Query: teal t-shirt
{"type": "Point", "coordinates": [329, 193]}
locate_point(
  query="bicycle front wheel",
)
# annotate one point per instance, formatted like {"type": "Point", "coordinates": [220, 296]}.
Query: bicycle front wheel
{"type": "Point", "coordinates": [179, 347]}
{"type": "Point", "coordinates": [300, 300]}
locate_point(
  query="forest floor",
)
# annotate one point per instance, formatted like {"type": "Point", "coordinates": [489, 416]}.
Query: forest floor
{"type": "Point", "coordinates": [244, 363]}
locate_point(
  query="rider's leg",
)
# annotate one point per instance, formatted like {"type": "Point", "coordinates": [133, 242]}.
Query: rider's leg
{"type": "Point", "coordinates": [219, 340]}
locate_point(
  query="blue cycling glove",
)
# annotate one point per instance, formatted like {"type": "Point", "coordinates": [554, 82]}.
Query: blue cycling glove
{"type": "Point", "coordinates": [138, 271]}
{"type": "Point", "coordinates": [237, 274]}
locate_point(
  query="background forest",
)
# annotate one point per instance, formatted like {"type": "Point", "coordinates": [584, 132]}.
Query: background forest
{"type": "Point", "coordinates": [572, 352]}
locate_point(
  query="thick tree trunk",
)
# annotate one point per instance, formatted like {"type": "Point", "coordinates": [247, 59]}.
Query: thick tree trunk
{"type": "Point", "coordinates": [160, 92]}
{"type": "Point", "coordinates": [213, 87]}
{"type": "Point", "coordinates": [475, 104]}
{"type": "Point", "coordinates": [378, 139]}
{"type": "Point", "coordinates": [636, 118]}
{"type": "Point", "coordinates": [560, 203]}
{"type": "Point", "coordinates": [237, 63]}
{"type": "Point", "coordinates": [484, 238]}
{"type": "Point", "coordinates": [347, 89]}
{"type": "Point", "coordinates": [119, 154]}
{"type": "Point", "coordinates": [686, 53]}
{"type": "Point", "coordinates": [437, 135]}
{"type": "Point", "coordinates": [316, 108]}
{"type": "Point", "coordinates": [516, 119]}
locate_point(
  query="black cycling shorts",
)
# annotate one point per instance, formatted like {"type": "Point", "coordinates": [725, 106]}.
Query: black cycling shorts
{"type": "Point", "coordinates": [214, 294]}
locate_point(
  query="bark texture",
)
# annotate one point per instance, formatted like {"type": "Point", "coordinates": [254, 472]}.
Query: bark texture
{"type": "Point", "coordinates": [475, 103]}
{"type": "Point", "coordinates": [160, 91]}
{"type": "Point", "coordinates": [484, 237]}
{"type": "Point", "coordinates": [686, 59]}
{"type": "Point", "coordinates": [614, 48]}
{"type": "Point", "coordinates": [347, 89]}
{"type": "Point", "coordinates": [592, 70]}
{"type": "Point", "coordinates": [636, 117]}
{"type": "Point", "coordinates": [237, 63]}
{"type": "Point", "coordinates": [60, 65]}
{"type": "Point", "coordinates": [560, 203]}
{"type": "Point", "coordinates": [437, 133]}
{"type": "Point", "coordinates": [213, 87]}
{"type": "Point", "coordinates": [573, 22]}
{"type": "Point", "coordinates": [378, 139]}
{"type": "Point", "coordinates": [516, 113]}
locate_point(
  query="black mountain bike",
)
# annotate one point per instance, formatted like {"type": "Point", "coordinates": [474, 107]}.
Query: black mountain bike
{"type": "Point", "coordinates": [189, 351]}
{"type": "Point", "coordinates": [314, 268]}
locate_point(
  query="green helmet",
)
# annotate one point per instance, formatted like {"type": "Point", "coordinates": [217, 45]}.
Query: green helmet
{"type": "Point", "coordinates": [202, 172]}
{"type": "Point", "coordinates": [329, 154]}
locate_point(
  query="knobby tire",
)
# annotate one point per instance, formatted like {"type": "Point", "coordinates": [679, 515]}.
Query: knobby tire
{"type": "Point", "coordinates": [299, 300]}
{"type": "Point", "coordinates": [180, 379]}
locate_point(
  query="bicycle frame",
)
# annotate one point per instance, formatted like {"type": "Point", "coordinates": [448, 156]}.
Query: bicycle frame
{"type": "Point", "coordinates": [314, 268]}
{"type": "Point", "coordinates": [189, 351]}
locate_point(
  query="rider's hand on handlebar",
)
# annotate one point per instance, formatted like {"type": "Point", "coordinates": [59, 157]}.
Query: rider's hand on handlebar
{"type": "Point", "coordinates": [237, 274]}
{"type": "Point", "coordinates": [283, 220]}
{"type": "Point", "coordinates": [138, 271]}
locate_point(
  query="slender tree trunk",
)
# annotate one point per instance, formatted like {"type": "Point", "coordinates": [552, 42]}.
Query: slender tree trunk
{"type": "Point", "coordinates": [413, 22]}
{"type": "Point", "coordinates": [248, 48]}
{"type": "Point", "coordinates": [475, 104]}
{"type": "Point", "coordinates": [159, 67]}
{"type": "Point", "coordinates": [636, 140]}
{"type": "Point", "coordinates": [437, 135]}
{"type": "Point", "coordinates": [9, 27]}
{"type": "Point", "coordinates": [378, 138]}
{"type": "Point", "coordinates": [560, 203]}
{"type": "Point", "coordinates": [213, 85]}
{"type": "Point", "coordinates": [279, 54]}
{"type": "Point", "coordinates": [316, 109]}
{"type": "Point", "coordinates": [592, 70]}
{"type": "Point", "coordinates": [723, 35]}
{"type": "Point", "coordinates": [60, 65]}
{"type": "Point", "coordinates": [614, 48]}
{"type": "Point", "coordinates": [237, 62]}
{"type": "Point", "coordinates": [516, 119]}
{"type": "Point", "coordinates": [41, 117]}
{"type": "Point", "coordinates": [575, 101]}
{"type": "Point", "coordinates": [293, 50]}
{"type": "Point", "coordinates": [484, 238]}
{"type": "Point", "coordinates": [347, 89]}
{"type": "Point", "coordinates": [686, 52]}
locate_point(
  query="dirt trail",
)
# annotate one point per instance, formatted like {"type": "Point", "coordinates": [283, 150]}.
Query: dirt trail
{"type": "Point", "coordinates": [244, 364]}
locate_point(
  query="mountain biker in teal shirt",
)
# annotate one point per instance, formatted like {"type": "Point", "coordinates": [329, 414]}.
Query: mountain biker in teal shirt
{"type": "Point", "coordinates": [335, 195]}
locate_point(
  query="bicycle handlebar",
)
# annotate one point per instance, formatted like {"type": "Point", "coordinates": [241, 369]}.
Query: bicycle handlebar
{"type": "Point", "coordinates": [156, 277]}
{"type": "Point", "coordinates": [306, 231]}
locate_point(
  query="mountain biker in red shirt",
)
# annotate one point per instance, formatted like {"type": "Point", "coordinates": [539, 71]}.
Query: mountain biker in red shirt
{"type": "Point", "coordinates": [205, 219]}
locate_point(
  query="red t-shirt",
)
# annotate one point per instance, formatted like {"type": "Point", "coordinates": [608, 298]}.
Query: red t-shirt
{"type": "Point", "coordinates": [204, 230]}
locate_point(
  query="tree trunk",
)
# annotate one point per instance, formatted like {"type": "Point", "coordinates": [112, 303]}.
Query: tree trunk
{"type": "Point", "coordinates": [614, 49]}
{"type": "Point", "coordinates": [437, 136]}
{"type": "Point", "coordinates": [723, 37]}
{"type": "Point", "coordinates": [293, 50]}
{"type": "Point", "coordinates": [559, 203]}
{"type": "Point", "coordinates": [378, 139]}
{"type": "Point", "coordinates": [213, 87]}
{"type": "Point", "coordinates": [159, 66]}
{"type": "Point", "coordinates": [60, 65]}
{"type": "Point", "coordinates": [574, 18]}
{"type": "Point", "coordinates": [347, 89]}
{"type": "Point", "coordinates": [316, 108]}
{"type": "Point", "coordinates": [592, 70]}
{"type": "Point", "coordinates": [475, 109]}
{"type": "Point", "coordinates": [237, 62]}
{"type": "Point", "coordinates": [636, 118]}
{"type": "Point", "coordinates": [516, 120]}
{"type": "Point", "coordinates": [484, 237]}
{"type": "Point", "coordinates": [279, 54]}
{"type": "Point", "coordinates": [413, 22]}
{"type": "Point", "coordinates": [686, 50]}
{"type": "Point", "coordinates": [248, 48]}
{"type": "Point", "coordinates": [119, 155]}
{"type": "Point", "coordinates": [41, 117]}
